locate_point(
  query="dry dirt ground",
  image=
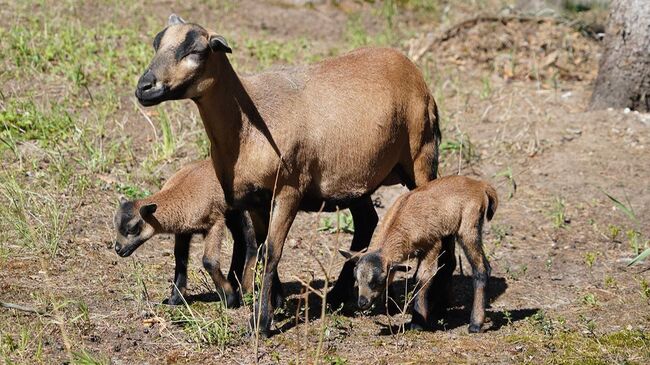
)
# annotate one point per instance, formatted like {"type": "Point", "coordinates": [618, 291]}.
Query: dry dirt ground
{"type": "Point", "coordinates": [512, 95]}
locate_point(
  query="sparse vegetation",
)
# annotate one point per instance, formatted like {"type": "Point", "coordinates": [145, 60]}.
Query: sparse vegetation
{"type": "Point", "coordinates": [510, 95]}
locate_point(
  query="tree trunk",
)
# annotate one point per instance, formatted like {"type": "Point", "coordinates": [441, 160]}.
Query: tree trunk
{"type": "Point", "coordinates": [624, 74]}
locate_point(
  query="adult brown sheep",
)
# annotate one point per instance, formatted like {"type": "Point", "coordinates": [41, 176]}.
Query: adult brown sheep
{"type": "Point", "coordinates": [328, 134]}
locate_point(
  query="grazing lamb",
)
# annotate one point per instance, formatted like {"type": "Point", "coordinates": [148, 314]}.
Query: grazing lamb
{"type": "Point", "coordinates": [414, 227]}
{"type": "Point", "coordinates": [325, 135]}
{"type": "Point", "coordinates": [191, 202]}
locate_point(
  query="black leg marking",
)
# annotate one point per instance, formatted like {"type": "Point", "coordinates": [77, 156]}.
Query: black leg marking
{"type": "Point", "coordinates": [181, 255]}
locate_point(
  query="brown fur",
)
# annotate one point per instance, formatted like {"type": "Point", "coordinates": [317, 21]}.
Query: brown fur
{"type": "Point", "coordinates": [415, 227]}
{"type": "Point", "coordinates": [190, 202]}
{"type": "Point", "coordinates": [332, 132]}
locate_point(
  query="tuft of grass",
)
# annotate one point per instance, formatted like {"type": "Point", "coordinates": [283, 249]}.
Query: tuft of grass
{"type": "Point", "coordinates": [558, 213]}
{"type": "Point", "coordinates": [83, 357]}
{"type": "Point", "coordinates": [132, 192]}
{"type": "Point", "coordinates": [36, 220]}
{"type": "Point", "coordinates": [212, 330]}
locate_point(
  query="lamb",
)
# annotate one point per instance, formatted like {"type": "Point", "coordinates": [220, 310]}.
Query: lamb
{"type": "Point", "coordinates": [325, 135]}
{"type": "Point", "coordinates": [414, 227]}
{"type": "Point", "coordinates": [191, 202]}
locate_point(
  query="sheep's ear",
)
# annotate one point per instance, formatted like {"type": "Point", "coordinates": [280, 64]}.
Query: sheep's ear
{"type": "Point", "coordinates": [148, 210]}
{"type": "Point", "coordinates": [219, 44]}
{"type": "Point", "coordinates": [400, 267]}
{"type": "Point", "coordinates": [175, 19]}
{"type": "Point", "coordinates": [354, 257]}
{"type": "Point", "coordinates": [123, 200]}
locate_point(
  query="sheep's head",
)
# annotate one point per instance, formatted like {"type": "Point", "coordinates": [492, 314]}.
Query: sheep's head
{"type": "Point", "coordinates": [372, 275]}
{"type": "Point", "coordinates": [131, 226]}
{"type": "Point", "coordinates": [180, 68]}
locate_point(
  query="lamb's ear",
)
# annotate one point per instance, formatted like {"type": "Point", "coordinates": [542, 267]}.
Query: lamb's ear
{"type": "Point", "coordinates": [175, 19]}
{"type": "Point", "coordinates": [123, 200]}
{"type": "Point", "coordinates": [349, 255]}
{"type": "Point", "coordinates": [219, 44]}
{"type": "Point", "coordinates": [148, 210]}
{"type": "Point", "coordinates": [400, 267]}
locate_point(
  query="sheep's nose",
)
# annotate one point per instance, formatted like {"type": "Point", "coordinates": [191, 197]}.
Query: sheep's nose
{"type": "Point", "coordinates": [146, 81]}
{"type": "Point", "coordinates": [118, 247]}
{"type": "Point", "coordinates": [363, 302]}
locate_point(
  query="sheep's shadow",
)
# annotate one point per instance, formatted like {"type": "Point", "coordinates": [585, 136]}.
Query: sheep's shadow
{"type": "Point", "coordinates": [458, 314]}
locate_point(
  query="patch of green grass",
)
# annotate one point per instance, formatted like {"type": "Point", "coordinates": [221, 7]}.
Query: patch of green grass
{"type": "Point", "coordinates": [22, 120]}
{"type": "Point", "coordinates": [35, 220]}
{"type": "Point", "coordinates": [268, 51]}
{"type": "Point", "coordinates": [552, 340]}
{"type": "Point", "coordinates": [132, 192]}
{"type": "Point", "coordinates": [329, 225]}
{"type": "Point", "coordinates": [590, 258]}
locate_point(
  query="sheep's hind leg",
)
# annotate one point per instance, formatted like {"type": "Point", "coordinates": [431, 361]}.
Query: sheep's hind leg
{"type": "Point", "coordinates": [473, 247]}
{"type": "Point", "coordinates": [181, 255]}
{"type": "Point", "coordinates": [365, 220]}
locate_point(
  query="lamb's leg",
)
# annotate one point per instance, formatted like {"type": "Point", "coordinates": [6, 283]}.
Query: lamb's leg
{"type": "Point", "coordinates": [244, 245]}
{"type": "Point", "coordinates": [422, 303]}
{"type": "Point", "coordinates": [441, 284]}
{"type": "Point", "coordinates": [365, 220]}
{"type": "Point", "coordinates": [181, 255]}
{"type": "Point", "coordinates": [470, 240]}
{"type": "Point", "coordinates": [286, 206]}
{"type": "Point", "coordinates": [211, 264]}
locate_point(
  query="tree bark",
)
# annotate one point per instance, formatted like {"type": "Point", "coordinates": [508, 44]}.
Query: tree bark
{"type": "Point", "coordinates": [624, 73]}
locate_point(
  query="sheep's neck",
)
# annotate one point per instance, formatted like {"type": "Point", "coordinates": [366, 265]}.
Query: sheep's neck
{"type": "Point", "coordinates": [225, 110]}
{"type": "Point", "coordinates": [164, 219]}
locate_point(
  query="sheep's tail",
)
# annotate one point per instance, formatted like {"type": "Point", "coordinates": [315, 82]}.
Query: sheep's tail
{"type": "Point", "coordinates": [493, 201]}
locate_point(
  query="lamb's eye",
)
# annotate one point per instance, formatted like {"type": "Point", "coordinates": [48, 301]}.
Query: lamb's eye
{"type": "Point", "coordinates": [134, 230]}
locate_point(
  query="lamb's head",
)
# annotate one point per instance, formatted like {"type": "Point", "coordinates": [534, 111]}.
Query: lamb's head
{"type": "Point", "coordinates": [372, 274]}
{"type": "Point", "coordinates": [133, 226]}
{"type": "Point", "coordinates": [182, 67]}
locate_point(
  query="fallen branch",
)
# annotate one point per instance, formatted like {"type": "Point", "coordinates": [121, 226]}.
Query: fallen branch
{"type": "Point", "coordinates": [451, 32]}
{"type": "Point", "coordinates": [24, 309]}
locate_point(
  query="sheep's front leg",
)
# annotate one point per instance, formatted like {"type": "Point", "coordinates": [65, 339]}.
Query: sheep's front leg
{"type": "Point", "coordinates": [365, 220]}
{"type": "Point", "coordinates": [181, 255]}
{"type": "Point", "coordinates": [424, 302]}
{"type": "Point", "coordinates": [284, 211]}
{"type": "Point", "coordinates": [213, 267]}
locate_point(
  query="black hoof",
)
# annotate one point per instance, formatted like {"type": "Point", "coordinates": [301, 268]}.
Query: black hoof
{"type": "Point", "coordinates": [416, 327]}
{"type": "Point", "coordinates": [474, 328]}
{"type": "Point", "coordinates": [173, 300]}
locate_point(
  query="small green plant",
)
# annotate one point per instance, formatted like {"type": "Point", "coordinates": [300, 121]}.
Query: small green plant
{"type": "Point", "coordinates": [558, 213]}
{"type": "Point", "coordinates": [543, 323]}
{"type": "Point", "coordinates": [507, 316]}
{"type": "Point", "coordinates": [507, 173]}
{"type": "Point", "coordinates": [329, 225]}
{"type": "Point", "coordinates": [633, 238]}
{"type": "Point", "coordinates": [462, 146]}
{"type": "Point", "coordinates": [590, 258]}
{"type": "Point", "coordinates": [614, 231]}
{"type": "Point", "coordinates": [610, 282]}
{"type": "Point", "coordinates": [335, 360]}
{"type": "Point", "coordinates": [590, 300]}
